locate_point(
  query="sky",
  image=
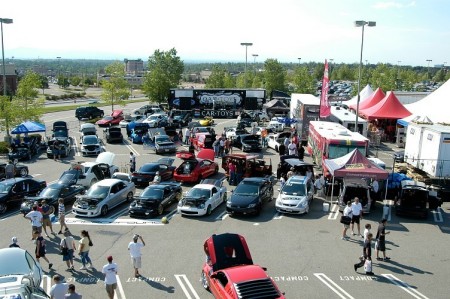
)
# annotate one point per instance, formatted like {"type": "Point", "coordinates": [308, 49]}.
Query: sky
{"type": "Point", "coordinates": [407, 32]}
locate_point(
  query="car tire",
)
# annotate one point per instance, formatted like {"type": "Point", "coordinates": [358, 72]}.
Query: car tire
{"type": "Point", "coordinates": [205, 283]}
{"type": "Point", "coordinates": [130, 197]}
{"type": "Point", "coordinates": [208, 210]}
{"type": "Point", "coordinates": [160, 209]}
{"type": "Point", "coordinates": [104, 210]}
{"type": "Point", "coordinates": [23, 172]}
{"type": "Point", "coordinates": [3, 208]}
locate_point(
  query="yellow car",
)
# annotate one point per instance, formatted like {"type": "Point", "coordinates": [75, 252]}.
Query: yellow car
{"type": "Point", "coordinates": [207, 121]}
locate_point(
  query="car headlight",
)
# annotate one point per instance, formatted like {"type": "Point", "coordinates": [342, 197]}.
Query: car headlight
{"type": "Point", "coordinates": [252, 205]}
{"type": "Point", "coordinates": [201, 206]}
{"type": "Point", "coordinates": [303, 203]}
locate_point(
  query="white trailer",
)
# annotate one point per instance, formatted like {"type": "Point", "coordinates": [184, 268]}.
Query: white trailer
{"type": "Point", "coordinates": [347, 119]}
{"type": "Point", "coordinates": [304, 108]}
{"type": "Point", "coordinates": [428, 148]}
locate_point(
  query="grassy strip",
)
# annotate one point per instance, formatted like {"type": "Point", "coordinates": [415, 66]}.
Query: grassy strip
{"type": "Point", "coordinates": [51, 109]}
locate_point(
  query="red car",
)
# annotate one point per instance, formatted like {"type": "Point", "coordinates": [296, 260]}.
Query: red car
{"type": "Point", "coordinates": [193, 170]}
{"type": "Point", "coordinates": [202, 140]}
{"type": "Point", "coordinates": [229, 271]}
{"type": "Point", "coordinates": [114, 119]}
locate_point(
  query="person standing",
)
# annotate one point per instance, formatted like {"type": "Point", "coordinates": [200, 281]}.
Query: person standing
{"type": "Point", "coordinates": [232, 173]}
{"type": "Point", "coordinates": [59, 289]}
{"type": "Point", "coordinates": [132, 162]}
{"type": "Point", "coordinates": [318, 185]}
{"type": "Point", "coordinates": [301, 151]}
{"type": "Point", "coordinates": [367, 230]}
{"type": "Point", "coordinates": [221, 147]}
{"type": "Point", "coordinates": [187, 133]}
{"type": "Point", "coordinates": [286, 145]}
{"type": "Point", "coordinates": [46, 211]}
{"type": "Point", "coordinates": [71, 294]}
{"type": "Point", "coordinates": [239, 171]}
{"type": "Point", "coordinates": [69, 243]}
{"type": "Point", "coordinates": [367, 256]}
{"type": "Point", "coordinates": [14, 243]}
{"type": "Point", "coordinates": [135, 252]}
{"type": "Point", "coordinates": [36, 221]}
{"type": "Point", "coordinates": [282, 149]}
{"type": "Point", "coordinates": [356, 216]}
{"type": "Point", "coordinates": [40, 248]}
{"type": "Point", "coordinates": [156, 179]}
{"type": "Point", "coordinates": [375, 190]}
{"type": "Point", "coordinates": [347, 213]}
{"type": "Point", "coordinates": [9, 170]}
{"type": "Point", "coordinates": [110, 270]}
{"type": "Point", "coordinates": [292, 148]}
{"type": "Point", "coordinates": [56, 150]}
{"type": "Point", "coordinates": [62, 216]}
{"type": "Point", "coordinates": [227, 145]}
{"type": "Point", "coordinates": [83, 249]}
{"type": "Point", "coordinates": [381, 240]}
{"type": "Point", "coordinates": [216, 148]}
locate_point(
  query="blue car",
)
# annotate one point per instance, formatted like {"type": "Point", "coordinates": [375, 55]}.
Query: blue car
{"type": "Point", "coordinates": [138, 132]}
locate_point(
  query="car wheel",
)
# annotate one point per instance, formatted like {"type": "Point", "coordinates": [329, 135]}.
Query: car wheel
{"type": "Point", "coordinates": [3, 208]}
{"type": "Point", "coordinates": [92, 182]}
{"type": "Point", "coordinates": [208, 210]}
{"type": "Point", "coordinates": [24, 172]}
{"type": "Point", "coordinates": [130, 197]}
{"type": "Point", "coordinates": [104, 210]}
{"type": "Point", "coordinates": [160, 209]}
{"type": "Point", "coordinates": [205, 283]}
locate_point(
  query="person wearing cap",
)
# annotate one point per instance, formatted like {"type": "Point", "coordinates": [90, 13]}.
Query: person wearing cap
{"type": "Point", "coordinates": [36, 220]}
{"type": "Point", "coordinates": [69, 243]}
{"type": "Point", "coordinates": [110, 271]}
{"type": "Point", "coordinates": [14, 243]}
{"type": "Point", "coordinates": [135, 252]}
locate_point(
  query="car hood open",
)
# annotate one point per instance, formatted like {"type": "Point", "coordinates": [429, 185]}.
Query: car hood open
{"type": "Point", "coordinates": [206, 154]}
{"type": "Point", "coordinates": [106, 158]}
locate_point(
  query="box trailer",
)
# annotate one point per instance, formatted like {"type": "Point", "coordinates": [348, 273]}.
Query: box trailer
{"type": "Point", "coordinates": [347, 118]}
{"type": "Point", "coordinates": [428, 148]}
{"type": "Point", "coordinates": [304, 108]}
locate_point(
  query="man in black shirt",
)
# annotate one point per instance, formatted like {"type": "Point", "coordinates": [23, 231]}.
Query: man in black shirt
{"type": "Point", "coordinates": [367, 256]}
{"type": "Point", "coordinates": [282, 149]}
{"type": "Point", "coordinates": [381, 240]}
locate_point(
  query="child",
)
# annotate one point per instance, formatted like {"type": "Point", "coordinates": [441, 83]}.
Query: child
{"type": "Point", "coordinates": [367, 231]}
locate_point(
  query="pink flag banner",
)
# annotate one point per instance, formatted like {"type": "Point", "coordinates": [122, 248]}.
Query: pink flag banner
{"type": "Point", "coordinates": [325, 109]}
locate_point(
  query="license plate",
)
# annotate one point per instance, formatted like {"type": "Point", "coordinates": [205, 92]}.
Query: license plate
{"type": "Point", "coordinates": [166, 150]}
{"type": "Point", "coordinates": [288, 210]}
{"type": "Point", "coordinates": [139, 180]}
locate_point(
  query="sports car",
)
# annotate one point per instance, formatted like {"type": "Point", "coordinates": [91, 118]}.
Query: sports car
{"type": "Point", "coordinates": [229, 271]}
{"type": "Point", "coordinates": [146, 172]}
{"type": "Point", "coordinates": [102, 197]}
{"type": "Point", "coordinates": [207, 121]}
{"type": "Point", "coordinates": [163, 145]}
{"type": "Point", "coordinates": [231, 132]}
{"type": "Point", "coordinates": [92, 172]}
{"type": "Point", "coordinates": [193, 170]}
{"type": "Point", "coordinates": [114, 119]}
{"type": "Point", "coordinates": [203, 198]}
{"type": "Point", "coordinates": [113, 134]}
{"type": "Point", "coordinates": [155, 198]}
{"type": "Point", "coordinates": [12, 191]}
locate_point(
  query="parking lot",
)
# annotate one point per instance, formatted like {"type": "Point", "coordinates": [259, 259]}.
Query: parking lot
{"type": "Point", "coordinates": [303, 254]}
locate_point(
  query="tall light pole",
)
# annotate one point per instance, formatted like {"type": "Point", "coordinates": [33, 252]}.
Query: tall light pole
{"type": "Point", "coordinates": [254, 61]}
{"type": "Point", "coordinates": [6, 21]}
{"type": "Point", "coordinates": [299, 60]}
{"type": "Point", "coordinates": [330, 66]}
{"type": "Point", "coordinates": [59, 69]}
{"type": "Point", "coordinates": [361, 24]}
{"type": "Point", "coordinates": [398, 73]}
{"type": "Point", "coordinates": [245, 71]}
{"type": "Point", "coordinates": [428, 69]}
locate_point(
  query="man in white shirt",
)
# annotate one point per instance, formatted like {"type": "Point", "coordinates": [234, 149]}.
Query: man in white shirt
{"type": "Point", "coordinates": [356, 215]}
{"type": "Point", "coordinates": [292, 147]}
{"type": "Point", "coordinates": [110, 271]}
{"type": "Point", "coordinates": [135, 252]}
{"type": "Point", "coordinates": [59, 289]}
{"type": "Point", "coordinates": [36, 219]}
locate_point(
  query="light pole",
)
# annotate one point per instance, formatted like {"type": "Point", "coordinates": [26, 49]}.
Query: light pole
{"type": "Point", "coordinates": [299, 60]}
{"type": "Point", "coordinates": [330, 66]}
{"type": "Point", "coordinates": [59, 69]}
{"type": "Point", "coordinates": [361, 24]}
{"type": "Point", "coordinates": [254, 61]}
{"type": "Point", "coordinates": [428, 69]}
{"type": "Point", "coordinates": [398, 73]}
{"type": "Point", "coordinates": [245, 71]}
{"type": "Point", "coordinates": [6, 21]}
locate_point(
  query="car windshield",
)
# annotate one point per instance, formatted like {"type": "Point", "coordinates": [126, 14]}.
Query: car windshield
{"type": "Point", "coordinates": [50, 192]}
{"type": "Point", "coordinates": [162, 139]}
{"type": "Point", "coordinates": [294, 189]}
{"type": "Point", "coordinates": [149, 168]}
{"type": "Point", "coordinates": [247, 189]}
{"type": "Point", "coordinates": [198, 193]}
{"type": "Point", "coordinates": [90, 140]}
{"type": "Point", "coordinates": [153, 117]}
{"type": "Point", "coordinates": [98, 191]}
{"type": "Point", "coordinates": [108, 118]}
{"type": "Point", "coordinates": [60, 134]}
{"type": "Point", "coordinates": [152, 193]}
{"type": "Point", "coordinates": [201, 130]}
{"type": "Point", "coordinates": [4, 188]}
{"type": "Point", "coordinates": [251, 138]}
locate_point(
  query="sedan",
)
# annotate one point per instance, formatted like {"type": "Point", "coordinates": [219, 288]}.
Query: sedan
{"type": "Point", "coordinates": [203, 198]}
{"type": "Point", "coordinates": [250, 195]}
{"type": "Point", "coordinates": [17, 261]}
{"type": "Point", "coordinates": [20, 170]}
{"type": "Point", "coordinates": [146, 172]}
{"type": "Point", "coordinates": [91, 145]}
{"type": "Point", "coordinates": [194, 170]}
{"type": "Point", "coordinates": [13, 191]}
{"type": "Point", "coordinates": [155, 199]}
{"type": "Point", "coordinates": [102, 197]}
{"type": "Point", "coordinates": [113, 134]}
{"type": "Point", "coordinates": [275, 140]}
{"type": "Point", "coordinates": [207, 121]}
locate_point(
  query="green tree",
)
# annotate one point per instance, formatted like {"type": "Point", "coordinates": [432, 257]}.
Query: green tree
{"type": "Point", "coordinates": [165, 72]}
{"type": "Point", "coordinates": [115, 88]}
{"type": "Point", "coordinates": [26, 105]}
{"type": "Point", "coordinates": [303, 81]}
{"type": "Point", "coordinates": [8, 114]}
{"type": "Point", "coordinates": [217, 77]}
{"type": "Point", "coordinates": [439, 76]}
{"type": "Point", "coordinates": [274, 76]}
{"type": "Point", "coordinates": [43, 83]}
{"type": "Point", "coordinates": [75, 81]}
{"type": "Point", "coordinates": [229, 81]}
{"type": "Point", "coordinates": [384, 76]}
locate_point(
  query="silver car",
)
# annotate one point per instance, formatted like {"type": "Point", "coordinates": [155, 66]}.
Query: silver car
{"type": "Point", "coordinates": [103, 196]}
{"type": "Point", "coordinates": [18, 262]}
{"type": "Point", "coordinates": [295, 196]}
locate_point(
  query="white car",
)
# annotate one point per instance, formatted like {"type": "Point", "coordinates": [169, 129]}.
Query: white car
{"type": "Point", "coordinates": [19, 265]}
{"type": "Point", "coordinates": [262, 115]}
{"type": "Point", "coordinates": [154, 120]}
{"type": "Point", "coordinates": [146, 109]}
{"type": "Point", "coordinates": [103, 196]}
{"type": "Point", "coordinates": [92, 172]}
{"type": "Point", "coordinates": [275, 140]}
{"type": "Point", "coordinates": [276, 125]}
{"type": "Point", "coordinates": [295, 196]}
{"type": "Point", "coordinates": [202, 199]}
{"type": "Point", "coordinates": [129, 118]}
{"type": "Point", "coordinates": [91, 145]}
{"type": "Point", "coordinates": [233, 131]}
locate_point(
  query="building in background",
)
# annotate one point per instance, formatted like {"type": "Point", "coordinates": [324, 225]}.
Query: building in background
{"type": "Point", "coordinates": [11, 79]}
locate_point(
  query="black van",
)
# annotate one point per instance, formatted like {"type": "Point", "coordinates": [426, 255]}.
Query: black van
{"type": "Point", "coordinates": [415, 200]}
{"type": "Point", "coordinates": [88, 112]}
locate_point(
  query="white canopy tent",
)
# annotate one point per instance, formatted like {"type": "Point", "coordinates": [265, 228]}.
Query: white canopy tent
{"type": "Point", "coordinates": [363, 95]}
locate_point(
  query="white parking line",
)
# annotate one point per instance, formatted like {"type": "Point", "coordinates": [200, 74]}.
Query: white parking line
{"type": "Point", "coordinates": [437, 215]}
{"type": "Point", "coordinates": [404, 286]}
{"type": "Point", "coordinates": [75, 147]}
{"type": "Point", "coordinates": [334, 212]}
{"type": "Point", "coordinates": [128, 145]}
{"type": "Point", "coordinates": [117, 222]}
{"type": "Point", "coordinates": [180, 278]}
{"type": "Point", "coordinates": [221, 216]}
{"type": "Point", "coordinates": [120, 289]}
{"type": "Point", "coordinates": [333, 286]}
{"type": "Point", "coordinates": [278, 216]}
{"type": "Point", "coordinates": [171, 214]}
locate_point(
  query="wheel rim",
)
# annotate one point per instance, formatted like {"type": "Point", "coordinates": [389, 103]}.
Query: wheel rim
{"type": "Point", "coordinates": [2, 208]}
{"type": "Point", "coordinates": [104, 210]}
{"type": "Point", "coordinates": [160, 209]}
{"type": "Point", "coordinates": [23, 172]}
{"type": "Point", "coordinates": [204, 281]}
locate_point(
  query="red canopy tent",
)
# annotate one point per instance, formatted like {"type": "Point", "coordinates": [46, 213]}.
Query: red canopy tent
{"type": "Point", "coordinates": [372, 100]}
{"type": "Point", "coordinates": [388, 108]}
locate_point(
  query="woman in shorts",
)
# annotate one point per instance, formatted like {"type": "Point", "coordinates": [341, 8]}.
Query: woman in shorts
{"type": "Point", "coordinates": [347, 212]}
{"type": "Point", "coordinates": [40, 248]}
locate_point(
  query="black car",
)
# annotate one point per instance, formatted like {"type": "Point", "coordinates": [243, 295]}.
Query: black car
{"type": "Point", "coordinates": [182, 120]}
{"type": "Point", "coordinates": [146, 172]}
{"type": "Point", "coordinates": [64, 148]}
{"type": "Point", "coordinates": [248, 142]}
{"type": "Point", "coordinates": [60, 126]}
{"type": "Point", "coordinates": [155, 198]}
{"type": "Point", "coordinates": [415, 200]}
{"type": "Point", "coordinates": [249, 196]}
{"type": "Point", "coordinates": [399, 157]}
{"type": "Point", "coordinates": [88, 112]}
{"type": "Point", "coordinates": [287, 162]}
{"type": "Point", "coordinates": [20, 170]}
{"type": "Point", "coordinates": [113, 134]}
{"type": "Point", "coordinates": [13, 191]}
{"type": "Point", "coordinates": [25, 150]}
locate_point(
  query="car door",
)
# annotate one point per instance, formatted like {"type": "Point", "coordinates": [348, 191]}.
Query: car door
{"type": "Point", "coordinates": [215, 197]}
{"type": "Point", "coordinates": [121, 192]}
{"type": "Point", "coordinates": [208, 170]}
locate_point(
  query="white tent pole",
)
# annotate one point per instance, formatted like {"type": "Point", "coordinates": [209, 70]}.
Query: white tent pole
{"type": "Point", "coordinates": [332, 192]}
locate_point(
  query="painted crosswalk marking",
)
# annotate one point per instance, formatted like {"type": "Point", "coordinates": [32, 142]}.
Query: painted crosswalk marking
{"type": "Point", "coordinates": [186, 286]}
{"type": "Point", "coordinates": [334, 212]}
{"type": "Point", "coordinates": [333, 286]}
{"type": "Point", "coordinates": [404, 286]}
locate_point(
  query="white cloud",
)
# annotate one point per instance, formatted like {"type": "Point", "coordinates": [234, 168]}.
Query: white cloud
{"type": "Point", "coordinates": [392, 4]}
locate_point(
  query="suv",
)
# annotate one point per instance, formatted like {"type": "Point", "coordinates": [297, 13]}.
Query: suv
{"type": "Point", "coordinates": [295, 196]}
{"type": "Point", "coordinates": [249, 196]}
{"type": "Point", "coordinates": [415, 200]}
{"type": "Point", "coordinates": [88, 112]}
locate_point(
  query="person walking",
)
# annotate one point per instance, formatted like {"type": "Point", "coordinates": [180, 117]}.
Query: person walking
{"type": "Point", "coordinates": [14, 243]}
{"type": "Point", "coordinates": [216, 148]}
{"type": "Point", "coordinates": [67, 246]}
{"type": "Point", "coordinates": [347, 213]}
{"type": "Point", "coordinates": [381, 240]}
{"type": "Point", "coordinates": [221, 147]}
{"type": "Point", "coordinates": [59, 289]}
{"type": "Point", "coordinates": [356, 216]}
{"type": "Point", "coordinates": [110, 270]}
{"type": "Point", "coordinates": [36, 221]}
{"type": "Point", "coordinates": [132, 162]}
{"type": "Point", "coordinates": [134, 247]}
{"type": "Point", "coordinates": [286, 145]}
{"type": "Point", "coordinates": [187, 134]}
{"type": "Point", "coordinates": [9, 170]}
{"type": "Point", "coordinates": [71, 294]}
{"type": "Point", "coordinates": [367, 228]}
{"type": "Point", "coordinates": [232, 173]}
{"type": "Point", "coordinates": [40, 248]}
{"type": "Point", "coordinates": [282, 149]}
{"type": "Point", "coordinates": [366, 259]}
{"type": "Point", "coordinates": [62, 216]}
{"type": "Point", "coordinates": [46, 211]}
{"type": "Point", "coordinates": [83, 249]}
{"type": "Point", "coordinates": [239, 171]}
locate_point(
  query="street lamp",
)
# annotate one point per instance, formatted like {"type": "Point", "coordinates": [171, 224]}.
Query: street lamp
{"type": "Point", "coordinates": [428, 70]}
{"type": "Point", "coordinates": [299, 59]}
{"type": "Point", "coordinates": [245, 71]}
{"type": "Point", "coordinates": [59, 68]}
{"type": "Point", "coordinates": [398, 73]}
{"type": "Point", "coordinates": [254, 61]}
{"type": "Point", "coordinates": [5, 21]}
{"type": "Point", "coordinates": [361, 24]}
